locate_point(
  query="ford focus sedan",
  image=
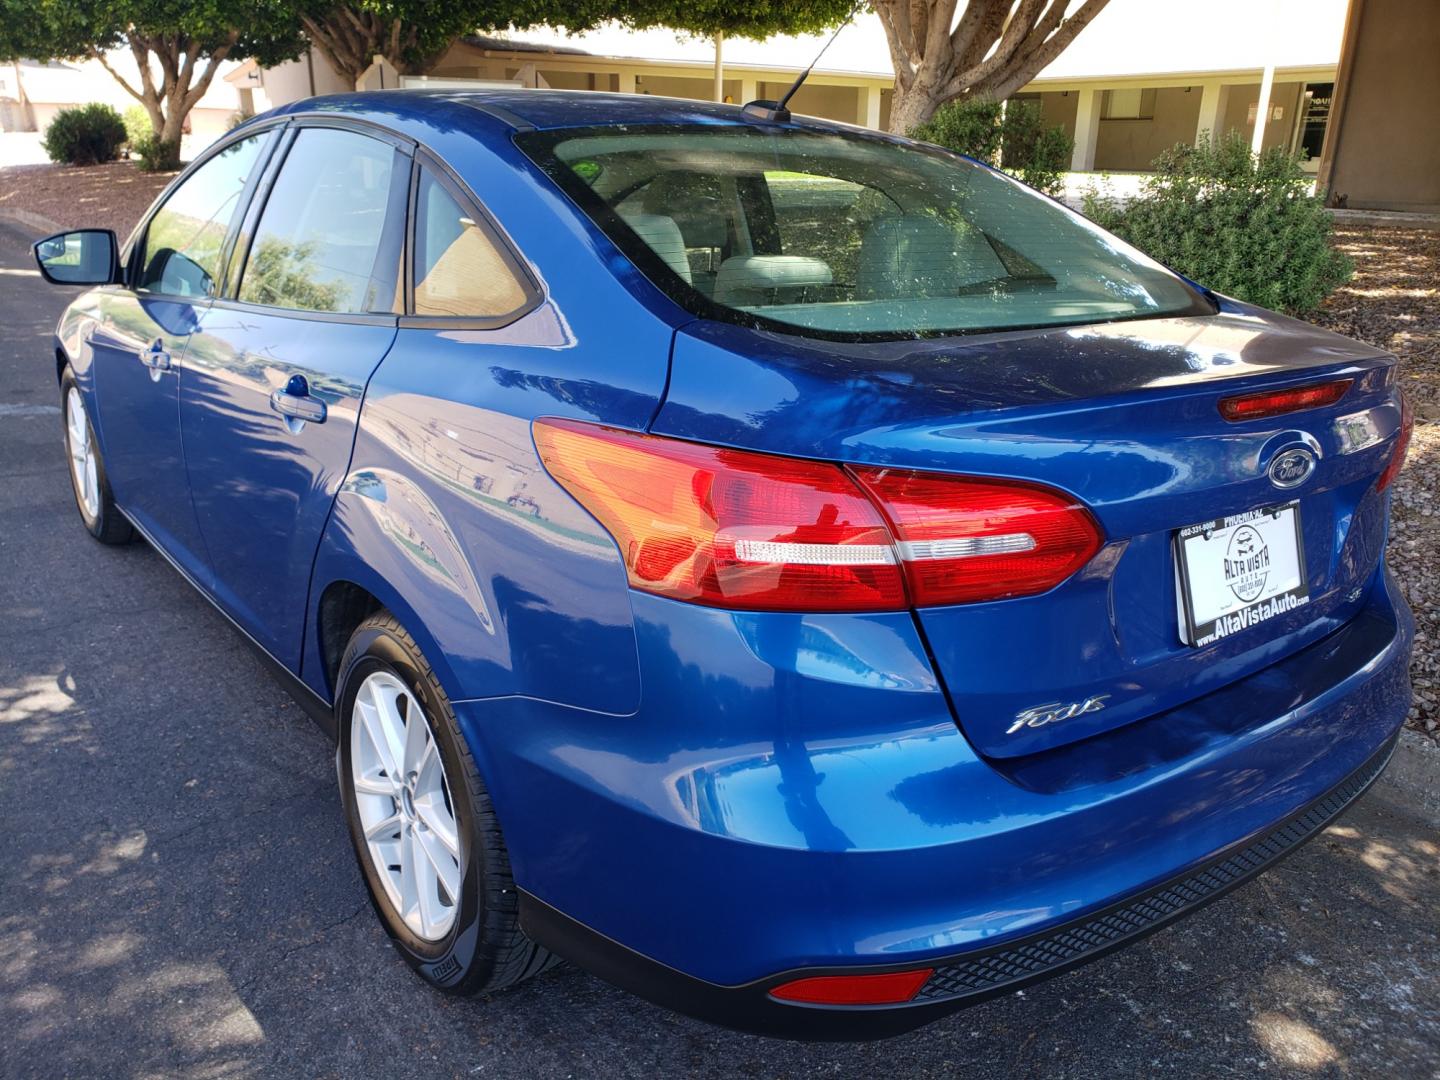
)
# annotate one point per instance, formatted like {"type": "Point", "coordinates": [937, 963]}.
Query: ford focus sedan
{"type": "Point", "coordinates": [800, 575]}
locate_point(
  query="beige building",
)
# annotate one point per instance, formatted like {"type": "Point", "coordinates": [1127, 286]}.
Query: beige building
{"type": "Point", "coordinates": [32, 93]}
{"type": "Point", "coordinates": [1383, 149]}
{"type": "Point", "coordinates": [1145, 75]}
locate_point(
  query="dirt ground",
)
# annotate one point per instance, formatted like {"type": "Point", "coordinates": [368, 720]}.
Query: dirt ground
{"type": "Point", "coordinates": [1393, 302]}
{"type": "Point", "coordinates": [109, 196]}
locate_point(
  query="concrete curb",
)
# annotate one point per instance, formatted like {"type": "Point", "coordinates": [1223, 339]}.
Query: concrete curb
{"type": "Point", "coordinates": [1414, 773]}
{"type": "Point", "coordinates": [29, 221]}
{"type": "Point", "coordinates": [1402, 219]}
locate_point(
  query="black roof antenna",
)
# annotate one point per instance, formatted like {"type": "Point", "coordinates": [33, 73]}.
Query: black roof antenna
{"type": "Point", "coordinates": [775, 111]}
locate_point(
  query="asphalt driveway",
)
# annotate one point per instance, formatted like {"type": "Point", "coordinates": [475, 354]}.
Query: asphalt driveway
{"type": "Point", "coordinates": [177, 895]}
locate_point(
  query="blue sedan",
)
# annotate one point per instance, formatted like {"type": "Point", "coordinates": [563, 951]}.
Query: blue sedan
{"type": "Point", "coordinates": [803, 576]}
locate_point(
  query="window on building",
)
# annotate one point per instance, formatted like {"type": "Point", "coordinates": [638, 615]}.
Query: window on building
{"type": "Point", "coordinates": [459, 266]}
{"type": "Point", "coordinates": [1134, 104]}
{"type": "Point", "coordinates": [1317, 115]}
{"type": "Point", "coordinates": [320, 235]}
{"type": "Point", "coordinates": [185, 237]}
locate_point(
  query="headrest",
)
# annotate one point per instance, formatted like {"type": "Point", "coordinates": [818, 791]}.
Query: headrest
{"type": "Point", "coordinates": [746, 280]}
{"type": "Point", "coordinates": [662, 235]}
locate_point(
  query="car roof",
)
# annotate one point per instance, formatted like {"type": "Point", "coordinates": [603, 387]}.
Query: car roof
{"type": "Point", "coordinates": [518, 108]}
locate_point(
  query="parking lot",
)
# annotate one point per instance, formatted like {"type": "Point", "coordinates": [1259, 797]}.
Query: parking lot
{"type": "Point", "coordinates": [178, 897]}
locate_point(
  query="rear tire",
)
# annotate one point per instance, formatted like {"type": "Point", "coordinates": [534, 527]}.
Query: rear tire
{"type": "Point", "coordinates": [455, 917]}
{"type": "Point", "coordinates": [91, 487]}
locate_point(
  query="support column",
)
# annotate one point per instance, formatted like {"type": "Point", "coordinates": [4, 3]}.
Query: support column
{"type": "Point", "coordinates": [625, 82]}
{"type": "Point", "coordinates": [1087, 130]}
{"type": "Point", "coordinates": [1214, 100]}
{"type": "Point", "coordinates": [1262, 110]}
{"type": "Point", "coordinates": [719, 94]}
{"type": "Point", "coordinates": [748, 91]}
{"type": "Point", "coordinates": [868, 112]}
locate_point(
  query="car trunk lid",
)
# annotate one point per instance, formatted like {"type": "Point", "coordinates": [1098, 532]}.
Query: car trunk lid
{"type": "Point", "coordinates": [1125, 417]}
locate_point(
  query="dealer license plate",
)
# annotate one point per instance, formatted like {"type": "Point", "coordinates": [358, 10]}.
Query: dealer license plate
{"type": "Point", "coordinates": [1236, 572]}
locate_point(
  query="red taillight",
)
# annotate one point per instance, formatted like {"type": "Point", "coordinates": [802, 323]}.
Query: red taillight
{"type": "Point", "coordinates": [963, 540]}
{"type": "Point", "coordinates": [735, 529]}
{"type": "Point", "coordinates": [888, 988]}
{"type": "Point", "coordinates": [1278, 402]}
{"type": "Point", "coordinates": [1402, 445]}
{"type": "Point", "coordinates": [727, 527]}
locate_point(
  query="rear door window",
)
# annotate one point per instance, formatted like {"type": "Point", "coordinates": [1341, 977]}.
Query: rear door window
{"type": "Point", "coordinates": [319, 243]}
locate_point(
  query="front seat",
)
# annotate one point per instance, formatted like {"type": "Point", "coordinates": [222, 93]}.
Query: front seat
{"type": "Point", "coordinates": [910, 255]}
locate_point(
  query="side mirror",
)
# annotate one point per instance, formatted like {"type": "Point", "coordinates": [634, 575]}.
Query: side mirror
{"type": "Point", "coordinates": [84, 257]}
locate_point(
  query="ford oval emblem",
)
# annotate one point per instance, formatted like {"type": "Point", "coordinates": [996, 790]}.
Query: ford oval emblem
{"type": "Point", "coordinates": [1292, 468]}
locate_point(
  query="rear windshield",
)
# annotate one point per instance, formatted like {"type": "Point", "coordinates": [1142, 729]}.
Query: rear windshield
{"type": "Point", "coordinates": [846, 236]}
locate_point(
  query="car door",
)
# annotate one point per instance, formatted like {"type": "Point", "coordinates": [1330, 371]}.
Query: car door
{"type": "Point", "coordinates": [278, 366]}
{"type": "Point", "coordinates": [140, 338]}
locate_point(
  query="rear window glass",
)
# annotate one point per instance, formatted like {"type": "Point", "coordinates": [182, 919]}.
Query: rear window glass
{"type": "Point", "coordinates": [848, 236]}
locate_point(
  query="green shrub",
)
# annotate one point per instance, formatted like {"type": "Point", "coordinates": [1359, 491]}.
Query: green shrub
{"type": "Point", "coordinates": [1038, 154]}
{"type": "Point", "coordinates": [1241, 225]}
{"type": "Point", "coordinates": [1014, 138]}
{"type": "Point", "coordinates": [137, 124]}
{"type": "Point", "coordinates": [86, 135]}
{"type": "Point", "coordinates": [153, 155]}
{"type": "Point", "coordinates": [970, 127]}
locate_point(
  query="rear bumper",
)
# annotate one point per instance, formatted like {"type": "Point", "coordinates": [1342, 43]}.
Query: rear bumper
{"type": "Point", "coordinates": [775, 810]}
{"type": "Point", "coordinates": [960, 980]}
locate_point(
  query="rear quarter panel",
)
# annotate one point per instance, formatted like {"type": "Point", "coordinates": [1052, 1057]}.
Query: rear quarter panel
{"type": "Point", "coordinates": [448, 517]}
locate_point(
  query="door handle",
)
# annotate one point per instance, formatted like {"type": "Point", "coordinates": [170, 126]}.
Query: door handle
{"type": "Point", "coordinates": [295, 401]}
{"type": "Point", "coordinates": [156, 358]}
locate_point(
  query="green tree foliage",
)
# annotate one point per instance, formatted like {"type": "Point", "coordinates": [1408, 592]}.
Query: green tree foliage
{"type": "Point", "coordinates": [86, 135]}
{"type": "Point", "coordinates": [137, 124]}
{"type": "Point", "coordinates": [285, 275]}
{"type": "Point", "coordinates": [177, 45]}
{"type": "Point", "coordinates": [1015, 138]}
{"type": "Point", "coordinates": [1241, 225]}
{"type": "Point", "coordinates": [413, 34]}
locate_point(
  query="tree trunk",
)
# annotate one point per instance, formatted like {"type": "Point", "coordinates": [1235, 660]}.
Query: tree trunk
{"type": "Point", "coordinates": [910, 109]}
{"type": "Point", "coordinates": [169, 102]}
{"type": "Point", "coordinates": [990, 52]}
{"type": "Point", "coordinates": [350, 40]}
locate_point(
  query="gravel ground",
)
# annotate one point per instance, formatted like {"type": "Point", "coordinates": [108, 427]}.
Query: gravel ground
{"type": "Point", "coordinates": [1394, 302]}
{"type": "Point", "coordinates": [109, 196]}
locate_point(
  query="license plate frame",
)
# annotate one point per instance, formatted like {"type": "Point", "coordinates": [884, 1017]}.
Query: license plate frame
{"type": "Point", "coordinates": [1259, 577]}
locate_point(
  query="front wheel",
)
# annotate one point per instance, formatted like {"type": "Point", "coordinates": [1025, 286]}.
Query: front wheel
{"type": "Point", "coordinates": [421, 822]}
{"type": "Point", "coordinates": [88, 481]}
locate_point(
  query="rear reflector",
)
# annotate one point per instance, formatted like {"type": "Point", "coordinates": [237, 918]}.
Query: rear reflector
{"type": "Point", "coordinates": [889, 988]}
{"type": "Point", "coordinates": [1278, 402]}
{"type": "Point", "coordinates": [1402, 445]}
{"type": "Point", "coordinates": [964, 540]}
{"type": "Point", "coordinates": [735, 529]}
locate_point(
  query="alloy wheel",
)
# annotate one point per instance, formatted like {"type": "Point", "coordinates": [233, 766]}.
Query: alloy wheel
{"type": "Point", "coordinates": [404, 805]}
{"type": "Point", "coordinates": [82, 454]}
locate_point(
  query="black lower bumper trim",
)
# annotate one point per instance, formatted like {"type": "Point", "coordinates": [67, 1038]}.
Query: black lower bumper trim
{"type": "Point", "coordinates": [963, 980]}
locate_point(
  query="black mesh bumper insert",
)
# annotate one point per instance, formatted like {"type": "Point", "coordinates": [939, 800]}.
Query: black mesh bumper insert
{"type": "Point", "coordinates": [1070, 945]}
